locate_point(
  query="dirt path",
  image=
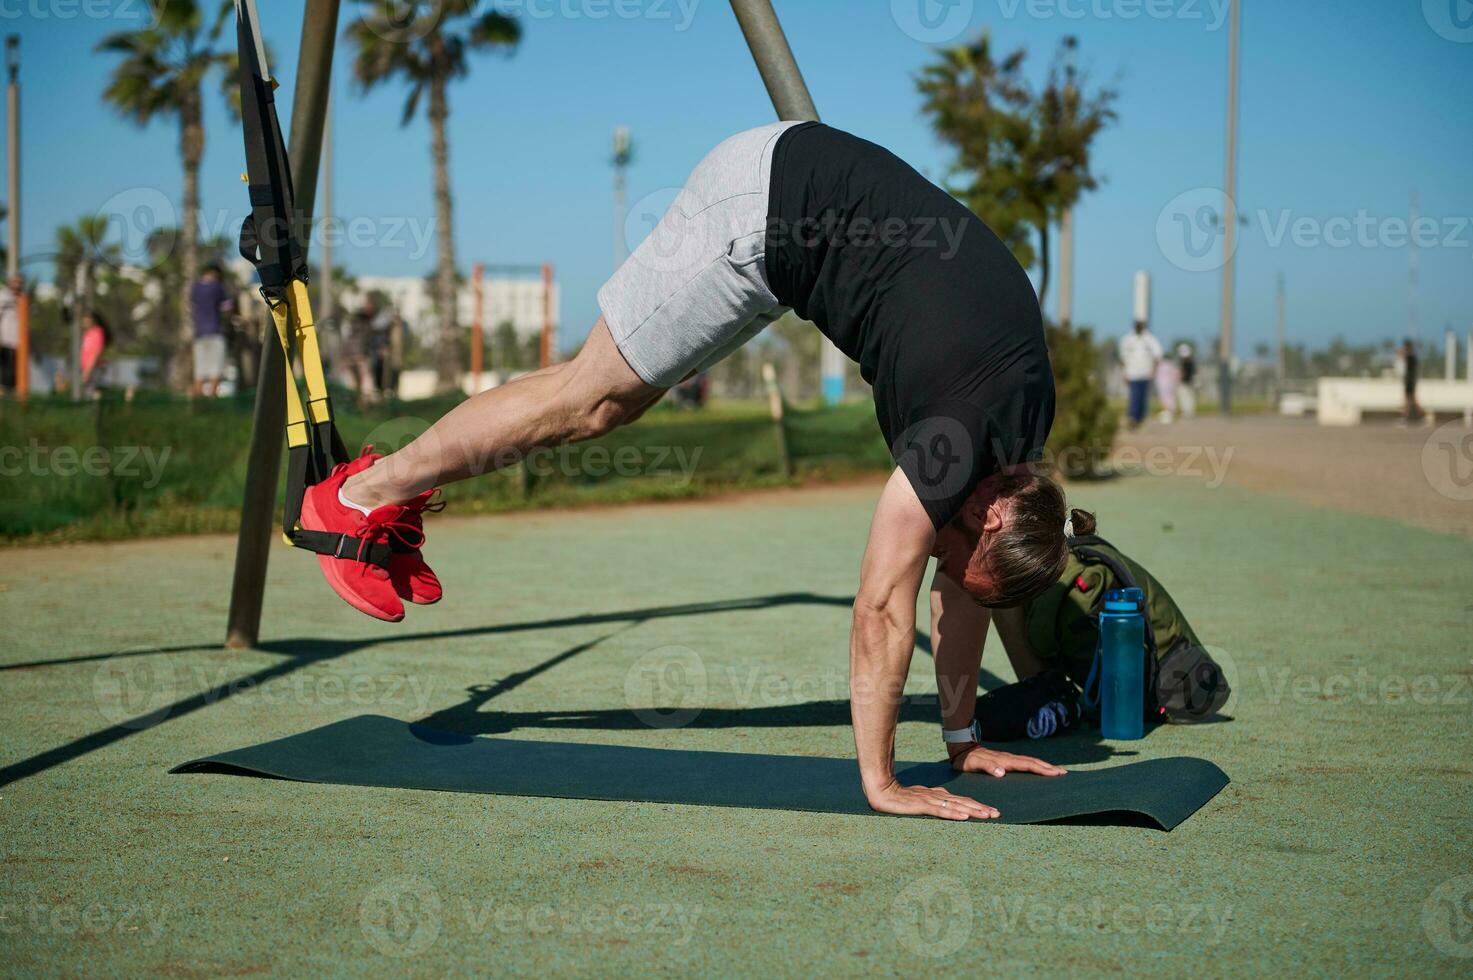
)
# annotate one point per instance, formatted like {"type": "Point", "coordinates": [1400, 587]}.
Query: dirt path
{"type": "Point", "coordinates": [1422, 476]}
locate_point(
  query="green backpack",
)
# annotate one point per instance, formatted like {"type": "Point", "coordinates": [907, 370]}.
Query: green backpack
{"type": "Point", "coordinates": [1183, 683]}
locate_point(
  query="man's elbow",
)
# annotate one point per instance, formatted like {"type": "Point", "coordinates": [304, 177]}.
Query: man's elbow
{"type": "Point", "coordinates": [881, 615]}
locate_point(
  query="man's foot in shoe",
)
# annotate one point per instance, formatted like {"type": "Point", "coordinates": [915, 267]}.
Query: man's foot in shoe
{"type": "Point", "coordinates": [413, 580]}
{"type": "Point", "coordinates": [364, 586]}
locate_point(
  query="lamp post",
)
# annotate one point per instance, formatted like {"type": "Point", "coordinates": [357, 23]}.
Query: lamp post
{"type": "Point", "coordinates": [1229, 220]}
{"type": "Point", "coordinates": [623, 154]}
{"type": "Point", "coordinates": [12, 202]}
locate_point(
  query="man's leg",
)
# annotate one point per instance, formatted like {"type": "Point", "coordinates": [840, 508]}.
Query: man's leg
{"type": "Point", "coordinates": [595, 392]}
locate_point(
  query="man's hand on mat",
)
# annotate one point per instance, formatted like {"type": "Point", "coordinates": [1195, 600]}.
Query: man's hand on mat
{"type": "Point", "coordinates": [928, 801]}
{"type": "Point", "coordinates": [978, 759]}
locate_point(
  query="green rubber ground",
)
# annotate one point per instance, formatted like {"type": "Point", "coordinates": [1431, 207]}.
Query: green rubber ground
{"type": "Point", "coordinates": [1342, 845]}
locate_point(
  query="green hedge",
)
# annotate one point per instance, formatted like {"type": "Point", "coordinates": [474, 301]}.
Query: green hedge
{"type": "Point", "coordinates": [115, 469]}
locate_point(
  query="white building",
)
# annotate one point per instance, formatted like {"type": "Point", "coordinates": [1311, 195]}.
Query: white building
{"type": "Point", "coordinates": [515, 299]}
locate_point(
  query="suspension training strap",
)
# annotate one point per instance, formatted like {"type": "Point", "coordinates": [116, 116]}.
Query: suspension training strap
{"type": "Point", "coordinates": [269, 241]}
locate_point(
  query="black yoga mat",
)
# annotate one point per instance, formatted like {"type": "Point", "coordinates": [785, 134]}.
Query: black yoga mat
{"type": "Point", "coordinates": [371, 750]}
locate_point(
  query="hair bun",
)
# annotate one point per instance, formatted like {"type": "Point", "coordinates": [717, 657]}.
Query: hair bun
{"type": "Point", "coordinates": [1083, 521]}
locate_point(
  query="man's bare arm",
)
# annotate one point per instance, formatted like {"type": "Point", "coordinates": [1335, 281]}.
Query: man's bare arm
{"type": "Point", "coordinates": [958, 633]}
{"type": "Point", "coordinates": [880, 649]}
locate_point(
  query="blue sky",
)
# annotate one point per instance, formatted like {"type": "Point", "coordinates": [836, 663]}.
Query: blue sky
{"type": "Point", "coordinates": [1347, 108]}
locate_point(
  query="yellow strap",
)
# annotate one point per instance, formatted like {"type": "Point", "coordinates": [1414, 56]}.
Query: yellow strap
{"type": "Point", "coordinates": [306, 331]}
{"type": "Point", "coordinates": [296, 425]}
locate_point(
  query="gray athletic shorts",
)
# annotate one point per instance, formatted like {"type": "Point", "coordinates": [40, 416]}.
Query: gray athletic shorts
{"type": "Point", "coordinates": [696, 289]}
{"type": "Point", "coordinates": [209, 357]}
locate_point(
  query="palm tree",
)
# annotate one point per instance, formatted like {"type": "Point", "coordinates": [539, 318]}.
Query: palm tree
{"type": "Point", "coordinates": [162, 72]}
{"type": "Point", "coordinates": [1022, 154]}
{"type": "Point", "coordinates": [427, 43]}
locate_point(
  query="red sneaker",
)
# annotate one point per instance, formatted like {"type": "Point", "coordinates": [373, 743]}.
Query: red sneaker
{"type": "Point", "coordinates": [413, 580]}
{"type": "Point", "coordinates": [363, 585]}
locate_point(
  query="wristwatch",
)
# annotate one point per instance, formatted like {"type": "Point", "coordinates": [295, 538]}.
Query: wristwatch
{"type": "Point", "coordinates": [958, 736]}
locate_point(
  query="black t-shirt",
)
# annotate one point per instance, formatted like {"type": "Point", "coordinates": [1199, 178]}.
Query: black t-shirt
{"type": "Point", "coordinates": [942, 320]}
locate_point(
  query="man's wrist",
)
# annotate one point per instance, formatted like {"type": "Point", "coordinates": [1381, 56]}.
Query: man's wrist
{"type": "Point", "coordinates": [961, 736]}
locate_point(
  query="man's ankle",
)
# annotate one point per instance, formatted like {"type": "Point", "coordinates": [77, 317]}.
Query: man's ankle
{"type": "Point", "coordinates": [355, 494]}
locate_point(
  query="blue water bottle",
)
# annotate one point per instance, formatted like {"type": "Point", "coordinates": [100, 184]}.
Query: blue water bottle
{"type": "Point", "coordinates": [1123, 664]}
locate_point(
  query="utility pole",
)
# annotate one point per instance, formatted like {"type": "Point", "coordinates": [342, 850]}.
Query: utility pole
{"type": "Point", "coordinates": [547, 346]}
{"type": "Point", "coordinates": [1279, 356]}
{"type": "Point", "coordinates": [478, 334]}
{"type": "Point", "coordinates": [623, 154]}
{"type": "Point", "coordinates": [1413, 268]}
{"type": "Point", "coordinates": [1143, 298]}
{"type": "Point", "coordinates": [12, 156]}
{"type": "Point", "coordinates": [1229, 219]}
{"type": "Point", "coordinates": [789, 94]}
{"type": "Point", "coordinates": [12, 203]}
{"type": "Point", "coordinates": [1066, 268]}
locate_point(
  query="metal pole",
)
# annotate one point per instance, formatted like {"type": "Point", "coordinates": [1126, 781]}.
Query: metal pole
{"type": "Point", "coordinates": [622, 151]}
{"type": "Point", "coordinates": [1066, 268]}
{"type": "Point", "coordinates": [1450, 356]}
{"type": "Point", "coordinates": [1413, 263]}
{"type": "Point", "coordinates": [81, 288]}
{"type": "Point", "coordinates": [546, 345]}
{"type": "Point", "coordinates": [1229, 219]}
{"type": "Point", "coordinates": [478, 304]}
{"type": "Point", "coordinates": [1279, 356]}
{"type": "Point", "coordinates": [12, 202]}
{"type": "Point", "coordinates": [790, 97]}
{"type": "Point", "coordinates": [12, 156]}
{"type": "Point", "coordinates": [263, 466]}
{"type": "Point", "coordinates": [775, 62]}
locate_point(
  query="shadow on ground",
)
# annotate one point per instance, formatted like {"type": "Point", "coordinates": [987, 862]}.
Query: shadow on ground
{"type": "Point", "coordinates": [469, 717]}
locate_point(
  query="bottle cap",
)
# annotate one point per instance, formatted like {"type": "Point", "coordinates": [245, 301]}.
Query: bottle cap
{"type": "Point", "coordinates": [1124, 601]}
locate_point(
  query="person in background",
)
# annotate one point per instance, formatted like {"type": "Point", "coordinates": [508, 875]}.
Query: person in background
{"type": "Point", "coordinates": [209, 301]}
{"type": "Point", "coordinates": [1410, 410]}
{"type": "Point", "coordinates": [10, 332]}
{"type": "Point", "coordinates": [1186, 395]}
{"type": "Point", "coordinates": [382, 325]}
{"type": "Point", "coordinates": [95, 338]}
{"type": "Point", "coordinates": [358, 350]}
{"type": "Point", "coordinates": [1168, 381]}
{"type": "Point", "coordinates": [1139, 353]}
